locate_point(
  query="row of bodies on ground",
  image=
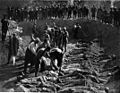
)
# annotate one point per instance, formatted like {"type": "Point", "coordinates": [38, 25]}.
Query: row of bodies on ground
{"type": "Point", "coordinates": [17, 27]}
{"type": "Point", "coordinates": [55, 36]}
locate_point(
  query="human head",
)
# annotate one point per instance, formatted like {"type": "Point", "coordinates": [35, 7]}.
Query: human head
{"type": "Point", "coordinates": [14, 34]}
{"type": "Point", "coordinates": [52, 29]}
{"type": "Point", "coordinates": [60, 28]}
{"type": "Point", "coordinates": [75, 26]}
{"type": "Point", "coordinates": [64, 28]}
{"type": "Point", "coordinates": [46, 31]}
{"type": "Point", "coordinates": [37, 40]}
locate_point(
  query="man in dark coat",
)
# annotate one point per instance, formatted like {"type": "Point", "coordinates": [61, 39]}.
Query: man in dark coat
{"type": "Point", "coordinates": [76, 30]}
{"type": "Point", "coordinates": [13, 48]}
{"type": "Point", "coordinates": [99, 13]}
{"type": "Point", "coordinates": [93, 11]}
{"type": "Point", "coordinates": [31, 53]}
{"type": "Point", "coordinates": [4, 28]}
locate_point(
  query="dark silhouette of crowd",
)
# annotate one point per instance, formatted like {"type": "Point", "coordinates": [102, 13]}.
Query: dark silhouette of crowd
{"type": "Point", "coordinates": [60, 10]}
{"type": "Point", "coordinates": [64, 11]}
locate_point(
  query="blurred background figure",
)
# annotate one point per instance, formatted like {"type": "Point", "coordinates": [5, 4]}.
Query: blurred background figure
{"type": "Point", "coordinates": [13, 48]}
{"type": "Point", "coordinates": [5, 24]}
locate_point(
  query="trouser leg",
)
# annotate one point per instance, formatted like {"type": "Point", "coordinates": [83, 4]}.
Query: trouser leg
{"type": "Point", "coordinates": [36, 68]}
{"type": "Point", "coordinates": [9, 57]}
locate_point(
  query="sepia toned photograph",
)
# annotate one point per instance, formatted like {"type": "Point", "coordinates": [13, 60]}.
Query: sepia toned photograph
{"type": "Point", "coordinates": [60, 46]}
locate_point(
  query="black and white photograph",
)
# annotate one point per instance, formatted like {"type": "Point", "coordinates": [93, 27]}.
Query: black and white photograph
{"type": "Point", "coordinates": [60, 46]}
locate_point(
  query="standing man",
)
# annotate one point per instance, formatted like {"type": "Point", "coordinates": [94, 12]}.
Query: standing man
{"type": "Point", "coordinates": [76, 30]}
{"type": "Point", "coordinates": [34, 32]}
{"type": "Point", "coordinates": [93, 12]}
{"type": "Point", "coordinates": [34, 29]}
{"type": "Point", "coordinates": [99, 13]}
{"type": "Point", "coordinates": [13, 48]}
{"type": "Point", "coordinates": [46, 39]}
{"type": "Point", "coordinates": [65, 38]}
{"type": "Point", "coordinates": [5, 24]}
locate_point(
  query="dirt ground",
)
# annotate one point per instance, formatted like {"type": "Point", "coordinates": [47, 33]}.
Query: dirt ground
{"type": "Point", "coordinates": [9, 73]}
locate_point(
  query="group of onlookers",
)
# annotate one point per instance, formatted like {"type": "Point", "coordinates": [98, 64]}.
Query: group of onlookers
{"type": "Point", "coordinates": [64, 11]}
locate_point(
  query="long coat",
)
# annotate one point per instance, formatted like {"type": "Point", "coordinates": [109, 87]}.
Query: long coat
{"type": "Point", "coordinates": [13, 46]}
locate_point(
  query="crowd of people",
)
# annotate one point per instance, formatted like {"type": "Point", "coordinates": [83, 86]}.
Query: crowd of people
{"type": "Point", "coordinates": [54, 42]}
{"type": "Point", "coordinates": [55, 38]}
{"type": "Point", "coordinates": [10, 31]}
{"type": "Point", "coordinates": [63, 10]}
{"type": "Point", "coordinates": [54, 45]}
